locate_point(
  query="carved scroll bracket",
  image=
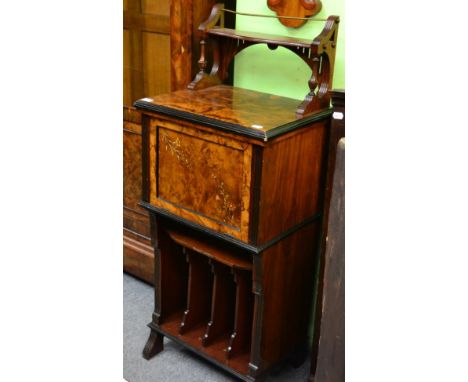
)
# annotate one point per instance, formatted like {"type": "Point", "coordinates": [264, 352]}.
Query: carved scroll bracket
{"type": "Point", "coordinates": [318, 54]}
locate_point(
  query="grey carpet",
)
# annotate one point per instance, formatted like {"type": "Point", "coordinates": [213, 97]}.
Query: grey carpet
{"type": "Point", "coordinates": [174, 364]}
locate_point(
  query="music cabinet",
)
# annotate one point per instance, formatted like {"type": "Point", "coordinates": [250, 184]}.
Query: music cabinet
{"type": "Point", "coordinates": [233, 180]}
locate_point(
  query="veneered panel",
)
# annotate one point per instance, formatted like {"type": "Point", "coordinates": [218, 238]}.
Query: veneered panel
{"type": "Point", "coordinates": [132, 171]}
{"type": "Point", "coordinates": [201, 177]}
{"type": "Point", "coordinates": [156, 63]}
{"type": "Point", "coordinates": [156, 7]}
{"type": "Point", "coordinates": [204, 176]}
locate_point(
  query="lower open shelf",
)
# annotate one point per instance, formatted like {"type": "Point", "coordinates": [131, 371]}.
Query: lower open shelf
{"type": "Point", "coordinates": [217, 350]}
{"type": "Point", "coordinates": [206, 299]}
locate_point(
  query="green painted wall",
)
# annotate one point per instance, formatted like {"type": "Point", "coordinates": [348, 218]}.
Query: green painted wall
{"type": "Point", "coordinates": [281, 72]}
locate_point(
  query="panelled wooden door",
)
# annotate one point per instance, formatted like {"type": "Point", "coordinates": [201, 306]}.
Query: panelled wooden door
{"type": "Point", "coordinates": [146, 39]}
{"type": "Point", "coordinates": [147, 66]}
{"type": "Point", "coordinates": [160, 54]}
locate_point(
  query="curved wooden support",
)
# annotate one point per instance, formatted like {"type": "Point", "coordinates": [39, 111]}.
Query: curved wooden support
{"type": "Point", "coordinates": [154, 345]}
{"type": "Point", "coordinates": [221, 304]}
{"type": "Point", "coordinates": [240, 338]}
{"type": "Point", "coordinates": [203, 79]}
{"type": "Point", "coordinates": [198, 295]}
{"type": "Point", "coordinates": [216, 15]}
{"type": "Point", "coordinates": [319, 55]}
{"type": "Point", "coordinates": [323, 51]}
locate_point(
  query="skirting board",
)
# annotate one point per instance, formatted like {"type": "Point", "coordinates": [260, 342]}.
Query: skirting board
{"type": "Point", "coordinates": [138, 256]}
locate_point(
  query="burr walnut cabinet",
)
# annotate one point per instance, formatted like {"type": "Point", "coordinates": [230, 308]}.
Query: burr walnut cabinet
{"type": "Point", "coordinates": [234, 184]}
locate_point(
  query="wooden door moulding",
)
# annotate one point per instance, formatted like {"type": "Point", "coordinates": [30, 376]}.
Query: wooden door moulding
{"type": "Point", "coordinates": [146, 22]}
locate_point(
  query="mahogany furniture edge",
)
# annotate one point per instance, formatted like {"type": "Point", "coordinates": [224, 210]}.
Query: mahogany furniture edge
{"type": "Point", "coordinates": [337, 131]}
{"type": "Point", "coordinates": [330, 365]}
{"type": "Point", "coordinates": [233, 127]}
{"type": "Point", "coordinates": [253, 249]}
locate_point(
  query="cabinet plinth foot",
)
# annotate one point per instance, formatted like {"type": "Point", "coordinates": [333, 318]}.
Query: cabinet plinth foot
{"type": "Point", "coordinates": [154, 345]}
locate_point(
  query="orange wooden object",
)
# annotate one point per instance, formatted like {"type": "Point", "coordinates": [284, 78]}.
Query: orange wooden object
{"type": "Point", "coordinates": [294, 8]}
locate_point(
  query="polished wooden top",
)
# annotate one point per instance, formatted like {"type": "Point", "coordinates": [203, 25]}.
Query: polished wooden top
{"type": "Point", "coordinates": [246, 112]}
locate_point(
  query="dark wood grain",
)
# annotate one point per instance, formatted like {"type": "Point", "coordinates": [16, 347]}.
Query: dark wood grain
{"type": "Point", "coordinates": [200, 283]}
{"type": "Point", "coordinates": [337, 131]}
{"type": "Point", "coordinates": [223, 304]}
{"type": "Point", "coordinates": [215, 353]}
{"type": "Point", "coordinates": [240, 340]}
{"type": "Point", "coordinates": [171, 269]}
{"type": "Point", "coordinates": [331, 353]}
{"type": "Point", "coordinates": [287, 269]}
{"type": "Point", "coordinates": [210, 250]}
{"type": "Point", "coordinates": [291, 163]}
{"type": "Point", "coordinates": [154, 345]}
{"type": "Point", "coordinates": [225, 43]}
{"type": "Point", "coordinates": [260, 37]}
{"type": "Point", "coordinates": [209, 306]}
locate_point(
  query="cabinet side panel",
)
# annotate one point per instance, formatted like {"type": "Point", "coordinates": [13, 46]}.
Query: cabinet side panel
{"type": "Point", "coordinates": [288, 269]}
{"type": "Point", "coordinates": [292, 177]}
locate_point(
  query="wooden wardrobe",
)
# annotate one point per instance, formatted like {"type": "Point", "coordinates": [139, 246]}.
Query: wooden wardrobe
{"type": "Point", "coordinates": [160, 41]}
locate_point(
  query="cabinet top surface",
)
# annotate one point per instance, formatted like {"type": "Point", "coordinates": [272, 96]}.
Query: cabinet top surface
{"type": "Point", "coordinates": [247, 112]}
